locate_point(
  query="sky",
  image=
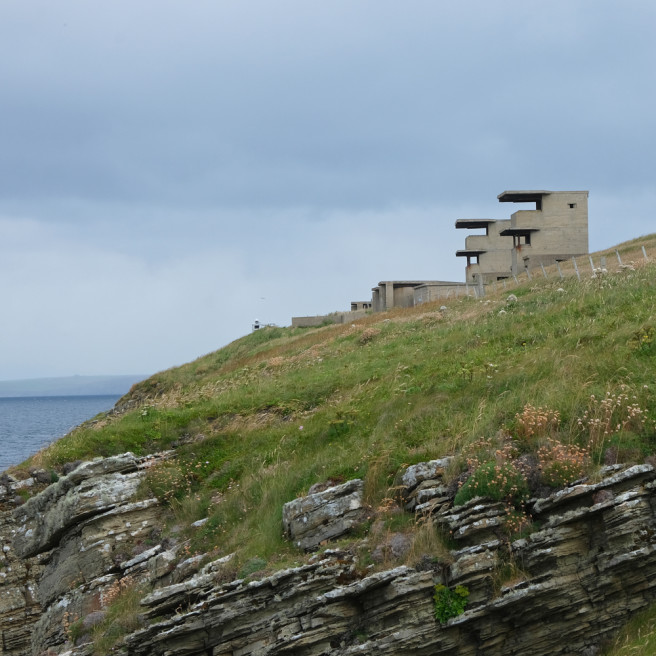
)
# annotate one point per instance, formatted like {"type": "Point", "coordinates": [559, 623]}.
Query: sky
{"type": "Point", "coordinates": [173, 170]}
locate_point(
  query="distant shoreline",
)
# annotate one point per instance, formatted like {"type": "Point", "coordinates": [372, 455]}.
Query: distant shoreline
{"type": "Point", "coordinates": [69, 386]}
{"type": "Point", "coordinates": [60, 396]}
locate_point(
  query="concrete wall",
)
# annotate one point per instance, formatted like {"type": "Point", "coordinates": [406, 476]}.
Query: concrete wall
{"type": "Point", "coordinates": [434, 291]}
{"type": "Point", "coordinates": [562, 230]}
{"type": "Point", "coordinates": [378, 299]}
{"type": "Point", "coordinates": [402, 293]}
{"type": "Point", "coordinates": [497, 259]}
{"type": "Point", "coordinates": [321, 319]}
{"type": "Point", "coordinates": [360, 305]}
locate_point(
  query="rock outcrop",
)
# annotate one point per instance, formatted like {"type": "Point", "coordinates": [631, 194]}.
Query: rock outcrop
{"type": "Point", "coordinates": [587, 564]}
{"type": "Point", "coordinates": [67, 546]}
{"type": "Point", "coordinates": [313, 520]}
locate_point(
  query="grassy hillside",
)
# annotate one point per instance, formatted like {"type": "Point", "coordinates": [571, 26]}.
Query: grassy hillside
{"type": "Point", "coordinates": [564, 376]}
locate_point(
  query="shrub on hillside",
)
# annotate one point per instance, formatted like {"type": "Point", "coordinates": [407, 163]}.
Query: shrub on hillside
{"type": "Point", "coordinates": [561, 464]}
{"type": "Point", "coordinates": [497, 481]}
{"type": "Point", "coordinates": [533, 423]}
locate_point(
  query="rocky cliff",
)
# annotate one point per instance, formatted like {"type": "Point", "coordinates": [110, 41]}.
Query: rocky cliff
{"type": "Point", "coordinates": [587, 564]}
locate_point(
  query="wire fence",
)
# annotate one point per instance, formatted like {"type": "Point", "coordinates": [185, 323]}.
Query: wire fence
{"type": "Point", "coordinates": [580, 267]}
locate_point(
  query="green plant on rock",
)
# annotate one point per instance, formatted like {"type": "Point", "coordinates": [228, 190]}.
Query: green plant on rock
{"type": "Point", "coordinates": [120, 602]}
{"type": "Point", "coordinates": [253, 565]}
{"type": "Point", "coordinates": [561, 464]}
{"type": "Point", "coordinates": [497, 481]}
{"type": "Point", "coordinates": [449, 603]}
{"type": "Point", "coordinates": [533, 423]}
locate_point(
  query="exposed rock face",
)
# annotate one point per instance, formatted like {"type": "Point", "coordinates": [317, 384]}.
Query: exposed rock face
{"type": "Point", "coordinates": [317, 518]}
{"type": "Point", "coordinates": [66, 546]}
{"type": "Point", "coordinates": [423, 488]}
{"type": "Point", "coordinates": [560, 590]}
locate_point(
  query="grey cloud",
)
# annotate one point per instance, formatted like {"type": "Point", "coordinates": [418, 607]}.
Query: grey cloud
{"type": "Point", "coordinates": [294, 116]}
{"type": "Point", "coordinates": [152, 151]}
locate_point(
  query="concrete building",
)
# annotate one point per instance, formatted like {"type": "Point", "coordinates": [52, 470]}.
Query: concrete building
{"type": "Point", "coordinates": [556, 229]}
{"type": "Point", "coordinates": [488, 256]}
{"type": "Point", "coordinates": [439, 289]}
{"type": "Point", "coordinates": [326, 319]}
{"type": "Point", "coordinates": [408, 293]}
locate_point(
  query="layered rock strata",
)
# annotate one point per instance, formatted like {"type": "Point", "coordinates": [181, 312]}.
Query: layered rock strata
{"type": "Point", "coordinates": [589, 562]}
{"type": "Point", "coordinates": [66, 547]}
{"type": "Point", "coordinates": [313, 520]}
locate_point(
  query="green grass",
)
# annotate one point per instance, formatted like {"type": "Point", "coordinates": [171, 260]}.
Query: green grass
{"type": "Point", "coordinates": [259, 421]}
{"type": "Point", "coordinates": [637, 637]}
{"type": "Point", "coordinates": [122, 617]}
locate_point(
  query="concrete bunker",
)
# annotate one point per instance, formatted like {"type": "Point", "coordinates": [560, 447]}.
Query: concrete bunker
{"type": "Point", "coordinates": [556, 229]}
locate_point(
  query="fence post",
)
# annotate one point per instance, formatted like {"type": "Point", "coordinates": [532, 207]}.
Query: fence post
{"type": "Point", "coordinates": [528, 273]}
{"type": "Point", "coordinates": [619, 259]}
{"type": "Point", "coordinates": [591, 263]}
{"type": "Point", "coordinates": [559, 271]}
{"type": "Point", "coordinates": [644, 252]}
{"type": "Point", "coordinates": [578, 275]}
{"type": "Point", "coordinates": [516, 281]}
{"type": "Point", "coordinates": [544, 273]}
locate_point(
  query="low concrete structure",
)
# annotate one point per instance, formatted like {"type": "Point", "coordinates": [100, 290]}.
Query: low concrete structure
{"type": "Point", "coordinates": [557, 229]}
{"type": "Point", "coordinates": [431, 291]}
{"type": "Point", "coordinates": [326, 319]}
{"type": "Point", "coordinates": [393, 293]}
{"type": "Point", "coordinates": [408, 293]}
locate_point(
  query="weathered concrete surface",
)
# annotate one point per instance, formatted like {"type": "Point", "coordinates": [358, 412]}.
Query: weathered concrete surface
{"type": "Point", "coordinates": [557, 229]}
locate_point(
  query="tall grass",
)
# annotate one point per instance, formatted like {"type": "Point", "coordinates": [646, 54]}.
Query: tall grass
{"type": "Point", "coordinates": [637, 637]}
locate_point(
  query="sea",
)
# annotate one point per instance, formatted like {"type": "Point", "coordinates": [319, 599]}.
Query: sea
{"type": "Point", "coordinates": [30, 423]}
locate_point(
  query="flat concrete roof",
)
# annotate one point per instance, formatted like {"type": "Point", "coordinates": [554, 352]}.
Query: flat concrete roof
{"type": "Point", "coordinates": [531, 196]}
{"type": "Point", "coordinates": [407, 283]}
{"type": "Point", "coordinates": [474, 223]}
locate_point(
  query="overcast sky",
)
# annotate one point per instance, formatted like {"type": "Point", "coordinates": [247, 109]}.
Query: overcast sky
{"type": "Point", "coordinates": [171, 171]}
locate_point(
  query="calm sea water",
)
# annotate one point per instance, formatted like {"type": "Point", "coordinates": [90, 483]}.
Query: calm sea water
{"type": "Point", "coordinates": [27, 424]}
